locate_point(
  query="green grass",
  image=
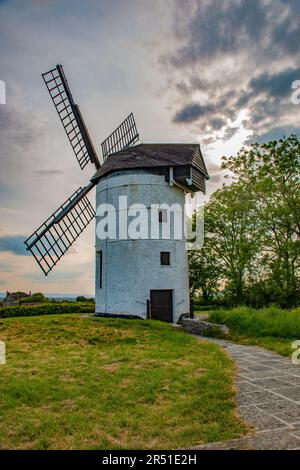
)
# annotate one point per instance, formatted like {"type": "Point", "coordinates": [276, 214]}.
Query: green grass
{"type": "Point", "coordinates": [87, 383]}
{"type": "Point", "coordinates": [272, 328]}
{"type": "Point", "coordinates": [282, 346]}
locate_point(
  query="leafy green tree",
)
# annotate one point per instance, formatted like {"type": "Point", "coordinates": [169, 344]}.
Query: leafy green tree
{"type": "Point", "coordinates": [232, 237]}
{"type": "Point", "coordinates": [204, 274]}
{"type": "Point", "coordinates": [271, 175]}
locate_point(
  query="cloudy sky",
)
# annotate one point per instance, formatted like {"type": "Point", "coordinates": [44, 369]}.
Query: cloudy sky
{"type": "Point", "coordinates": [218, 72]}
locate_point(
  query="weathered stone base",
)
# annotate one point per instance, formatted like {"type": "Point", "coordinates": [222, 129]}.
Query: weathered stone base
{"type": "Point", "coordinates": [182, 317]}
{"type": "Point", "coordinates": [204, 328]}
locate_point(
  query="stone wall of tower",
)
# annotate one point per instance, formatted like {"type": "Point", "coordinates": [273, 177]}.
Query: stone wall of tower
{"type": "Point", "coordinates": [131, 268]}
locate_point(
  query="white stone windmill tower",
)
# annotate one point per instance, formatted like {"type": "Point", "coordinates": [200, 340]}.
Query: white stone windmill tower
{"type": "Point", "coordinates": [144, 275]}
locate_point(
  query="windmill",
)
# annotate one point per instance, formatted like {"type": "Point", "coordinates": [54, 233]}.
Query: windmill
{"type": "Point", "coordinates": [53, 238]}
{"type": "Point", "coordinates": [135, 276]}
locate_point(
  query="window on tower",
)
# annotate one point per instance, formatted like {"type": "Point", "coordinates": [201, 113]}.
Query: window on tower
{"type": "Point", "coordinates": [165, 258]}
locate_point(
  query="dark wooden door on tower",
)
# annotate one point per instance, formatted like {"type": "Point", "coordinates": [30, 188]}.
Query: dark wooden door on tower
{"type": "Point", "coordinates": [161, 302]}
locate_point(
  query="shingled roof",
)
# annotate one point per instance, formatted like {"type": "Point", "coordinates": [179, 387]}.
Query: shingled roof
{"type": "Point", "coordinates": [153, 156]}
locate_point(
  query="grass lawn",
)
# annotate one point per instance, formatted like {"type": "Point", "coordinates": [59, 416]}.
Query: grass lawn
{"type": "Point", "coordinates": [85, 383]}
{"type": "Point", "coordinates": [271, 328]}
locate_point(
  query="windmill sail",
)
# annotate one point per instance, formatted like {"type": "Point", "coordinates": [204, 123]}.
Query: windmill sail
{"type": "Point", "coordinates": [55, 236]}
{"type": "Point", "coordinates": [70, 117]}
{"type": "Point", "coordinates": [124, 136]}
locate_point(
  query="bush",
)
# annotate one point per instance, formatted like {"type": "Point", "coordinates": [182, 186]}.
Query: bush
{"type": "Point", "coordinates": [271, 321]}
{"type": "Point", "coordinates": [205, 308]}
{"type": "Point", "coordinates": [38, 297]}
{"type": "Point", "coordinates": [218, 302]}
{"type": "Point", "coordinates": [47, 309]}
{"type": "Point", "coordinates": [81, 298]}
{"type": "Point", "coordinates": [25, 300]}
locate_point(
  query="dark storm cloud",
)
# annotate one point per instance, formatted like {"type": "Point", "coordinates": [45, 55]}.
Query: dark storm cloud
{"type": "Point", "coordinates": [287, 33]}
{"type": "Point", "coordinates": [208, 140]}
{"type": "Point", "coordinates": [192, 112]}
{"type": "Point", "coordinates": [239, 55]}
{"type": "Point", "coordinates": [274, 134]}
{"type": "Point", "coordinates": [218, 28]}
{"type": "Point", "coordinates": [230, 132]}
{"type": "Point", "coordinates": [213, 114]}
{"type": "Point", "coordinates": [268, 113]}
{"type": "Point", "coordinates": [13, 244]}
{"type": "Point", "coordinates": [217, 123]}
{"type": "Point", "coordinates": [274, 90]}
{"type": "Point", "coordinates": [276, 85]}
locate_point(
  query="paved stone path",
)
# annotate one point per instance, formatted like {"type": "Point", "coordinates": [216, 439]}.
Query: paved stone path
{"type": "Point", "coordinates": [268, 398]}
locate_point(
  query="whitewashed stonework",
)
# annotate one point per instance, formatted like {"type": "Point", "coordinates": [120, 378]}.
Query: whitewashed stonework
{"type": "Point", "coordinates": [131, 268]}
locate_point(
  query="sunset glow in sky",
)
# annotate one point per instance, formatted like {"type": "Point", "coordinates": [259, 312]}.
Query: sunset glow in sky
{"type": "Point", "coordinates": [208, 71]}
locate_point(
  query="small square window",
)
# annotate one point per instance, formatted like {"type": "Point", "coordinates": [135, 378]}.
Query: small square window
{"type": "Point", "coordinates": [165, 258]}
{"type": "Point", "coordinates": [163, 215]}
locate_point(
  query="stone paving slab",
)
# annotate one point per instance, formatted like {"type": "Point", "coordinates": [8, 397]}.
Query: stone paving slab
{"type": "Point", "coordinates": [292, 379]}
{"type": "Point", "coordinates": [269, 383]}
{"type": "Point", "coordinates": [279, 405]}
{"type": "Point", "coordinates": [270, 440]}
{"type": "Point", "coordinates": [297, 432]}
{"type": "Point", "coordinates": [260, 375]}
{"type": "Point", "coordinates": [260, 419]}
{"type": "Point", "coordinates": [268, 398]}
{"type": "Point", "coordinates": [292, 392]}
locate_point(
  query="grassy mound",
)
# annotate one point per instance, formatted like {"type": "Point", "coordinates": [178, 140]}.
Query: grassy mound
{"type": "Point", "coordinates": [87, 383]}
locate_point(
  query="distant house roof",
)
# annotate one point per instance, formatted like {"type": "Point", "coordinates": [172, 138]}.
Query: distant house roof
{"type": "Point", "coordinates": [153, 156]}
{"type": "Point", "coordinates": [12, 298]}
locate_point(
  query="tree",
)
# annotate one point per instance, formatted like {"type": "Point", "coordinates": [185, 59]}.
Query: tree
{"type": "Point", "coordinates": [252, 228]}
{"type": "Point", "coordinates": [204, 274]}
{"type": "Point", "coordinates": [271, 174]}
{"type": "Point", "coordinates": [232, 236]}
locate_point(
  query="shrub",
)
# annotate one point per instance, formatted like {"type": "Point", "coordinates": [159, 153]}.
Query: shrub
{"type": "Point", "coordinates": [271, 321]}
{"type": "Point", "coordinates": [25, 300]}
{"type": "Point", "coordinates": [38, 297]}
{"type": "Point", "coordinates": [205, 308]}
{"type": "Point", "coordinates": [47, 309]}
{"type": "Point", "coordinates": [81, 298]}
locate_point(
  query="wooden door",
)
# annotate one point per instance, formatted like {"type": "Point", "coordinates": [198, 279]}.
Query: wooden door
{"type": "Point", "coordinates": [162, 305]}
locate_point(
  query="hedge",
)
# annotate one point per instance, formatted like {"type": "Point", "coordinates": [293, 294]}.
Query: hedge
{"type": "Point", "coordinates": [47, 309]}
